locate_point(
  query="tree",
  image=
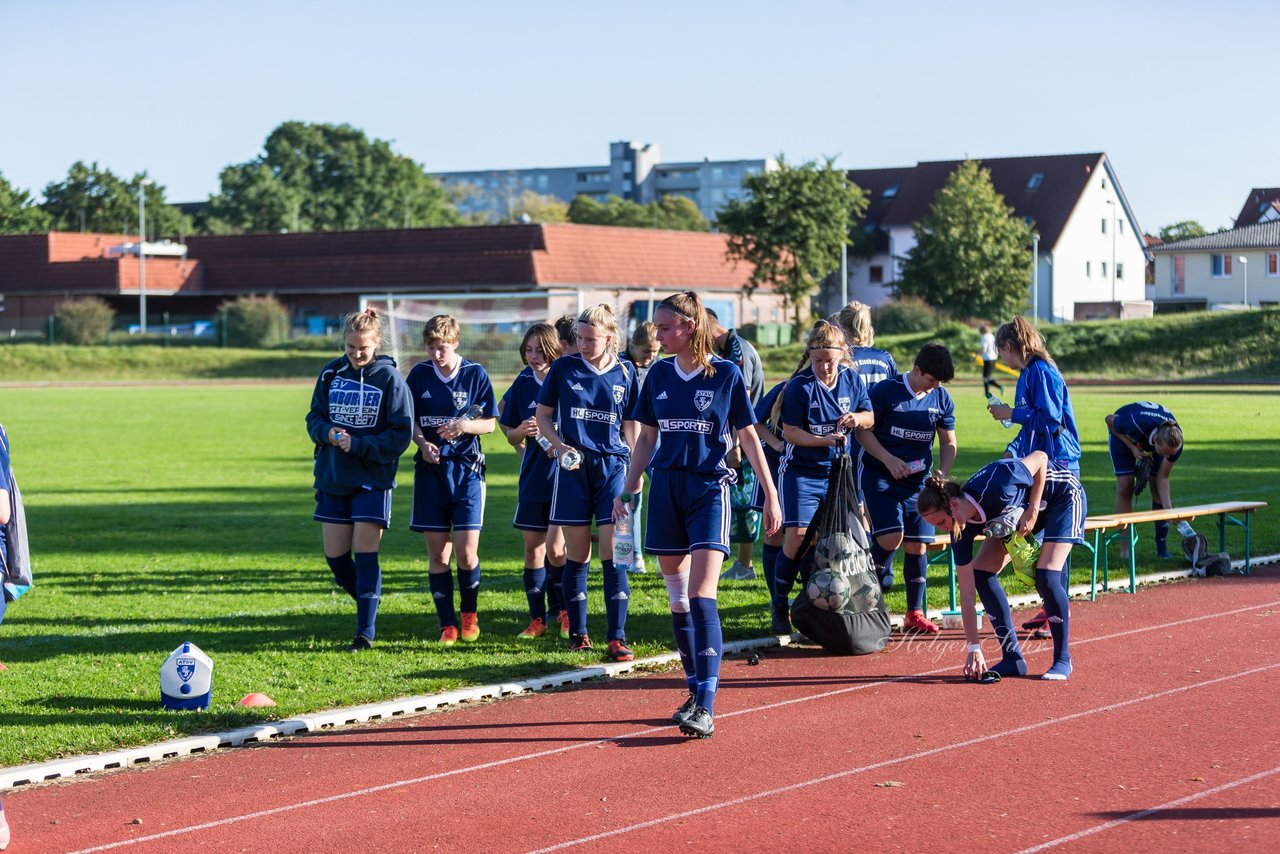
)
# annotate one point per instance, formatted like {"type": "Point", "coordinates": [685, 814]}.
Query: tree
{"type": "Point", "coordinates": [1188, 228]}
{"type": "Point", "coordinates": [792, 227]}
{"type": "Point", "coordinates": [532, 207]}
{"type": "Point", "coordinates": [972, 255]}
{"type": "Point", "coordinates": [676, 213]}
{"type": "Point", "coordinates": [18, 213]}
{"type": "Point", "coordinates": [94, 199]}
{"type": "Point", "coordinates": [324, 177]}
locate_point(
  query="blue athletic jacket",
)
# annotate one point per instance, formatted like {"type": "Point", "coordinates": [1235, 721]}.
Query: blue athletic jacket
{"type": "Point", "coordinates": [1042, 406]}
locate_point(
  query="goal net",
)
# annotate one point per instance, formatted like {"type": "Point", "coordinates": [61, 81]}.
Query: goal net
{"type": "Point", "coordinates": [492, 324]}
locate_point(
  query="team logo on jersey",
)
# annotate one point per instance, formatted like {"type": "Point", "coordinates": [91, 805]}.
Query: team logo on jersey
{"type": "Point", "coordinates": [186, 668]}
{"type": "Point", "coordinates": [460, 399]}
{"type": "Point", "coordinates": [702, 399]}
{"type": "Point", "coordinates": [844, 403]}
{"type": "Point", "coordinates": [618, 393]}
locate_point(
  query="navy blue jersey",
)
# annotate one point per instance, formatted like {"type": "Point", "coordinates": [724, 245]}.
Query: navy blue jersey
{"type": "Point", "coordinates": [1138, 421]}
{"type": "Point", "coordinates": [873, 364]}
{"type": "Point", "coordinates": [764, 412]}
{"type": "Point", "coordinates": [438, 399]}
{"type": "Point", "coordinates": [590, 405]}
{"type": "Point", "coordinates": [811, 406]}
{"type": "Point", "coordinates": [1042, 405]}
{"type": "Point", "coordinates": [906, 425]}
{"type": "Point", "coordinates": [696, 415]}
{"type": "Point", "coordinates": [1001, 488]}
{"type": "Point", "coordinates": [518, 405]}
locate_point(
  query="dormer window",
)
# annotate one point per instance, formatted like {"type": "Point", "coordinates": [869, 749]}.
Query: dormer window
{"type": "Point", "coordinates": [1035, 180]}
{"type": "Point", "coordinates": [891, 191]}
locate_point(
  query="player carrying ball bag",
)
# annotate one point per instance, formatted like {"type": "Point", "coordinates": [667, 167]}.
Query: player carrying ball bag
{"type": "Point", "coordinates": [698, 403]}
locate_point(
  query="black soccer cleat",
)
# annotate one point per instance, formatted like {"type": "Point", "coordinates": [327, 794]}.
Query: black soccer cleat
{"type": "Point", "coordinates": [360, 644]}
{"type": "Point", "coordinates": [686, 710]}
{"type": "Point", "coordinates": [699, 724]}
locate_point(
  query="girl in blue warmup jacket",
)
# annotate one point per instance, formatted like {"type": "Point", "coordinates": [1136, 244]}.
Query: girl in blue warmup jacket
{"type": "Point", "coordinates": [543, 542]}
{"type": "Point", "coordinates": [699, 405]}
{"type": "Point", "coordinates": [1031, 495]}
{"type": "Point", "coordinates": [453, 404]}
{"type": "Point", "coordinates": [587, 404]}
{"type": "Point", "coordinates": [910, 411]}
{"type": "Point", "coordinates": [820, 407]}
{"type": "Point", "coordinates": [361, 421]}
{"type": "Point", "coordinates": [1144, 430]}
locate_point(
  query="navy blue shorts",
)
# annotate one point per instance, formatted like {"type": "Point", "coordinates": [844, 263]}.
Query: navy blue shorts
{"type": "Point", "coordinates": [367, 505]}
{"type": "Point", "coordinates": [1062, 508]}
{"type": "Point", "coordinates": [587, 492]}
{"type": "Point", "coordinates": [532, 515]}
{"type": "Point", "coordinates": [686, 513]}
{"type": "Point", "coordinates": [891, 505]}
{"type": "Point", "coordinates": [448, 496]}
{"type": "Point", "coordinates": [800, 496]}
{"type": "Point", "coordinates": [1122, 461]}
{"type": "Point", "coordinates": [757, 495]}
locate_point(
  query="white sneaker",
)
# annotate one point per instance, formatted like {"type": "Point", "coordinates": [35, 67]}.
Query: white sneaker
{"type": "Point", "coordinates": [636, 567]}
{"type": "Point", "coordinates": [738, 572]}
{"type": "Point", "coordinates": [731, 574]}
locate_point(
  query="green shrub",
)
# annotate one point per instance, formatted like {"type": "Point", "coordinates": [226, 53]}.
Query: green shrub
{"type": "Point", "coordinates": [84, 321]}
{"type": "Point", "coordinates": [256, 322]}
{"type": "Point", "coordinates": [902, 316]}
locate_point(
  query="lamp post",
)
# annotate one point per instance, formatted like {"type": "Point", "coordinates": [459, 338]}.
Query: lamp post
{"type": "Point", "coordinates": [1244, 269]}
{"type": "Point", "coordinates": [1035, 276]}
{"type": "Point", "coordinates": [142, 254]}
{"type": "Point", "coordinates": [1112, 203]}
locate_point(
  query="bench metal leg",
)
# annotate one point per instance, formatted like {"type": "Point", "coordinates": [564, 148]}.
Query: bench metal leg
{"type": "Point", "coordinates": [1133, 558]}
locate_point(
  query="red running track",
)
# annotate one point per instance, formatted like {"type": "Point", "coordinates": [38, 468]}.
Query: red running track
{"type": "Point", "coordinates": [1165, 736]}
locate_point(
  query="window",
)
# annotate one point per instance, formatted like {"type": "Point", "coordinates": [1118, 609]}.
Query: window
{"type": "Point", "coordinates": [1119, 270]}
{"type": "Point", "coordinates": [1178, 271]}
{"type": "Point", "coordinates": [1104, 183]}
{"type": "Point", "coordinates": [717, 174]}
{"type": "Point", "coordinates": [892, 190]}
{"type": "Point", "coordinates": [593, 177]}
{"type": "Point", "coordinates": [1104, 269]}
{"type": "Point", "coordinates": [1033, 183]}
{"type": "Point", "coordinates": [542, 182]}
{"type": "Point", "coordinates": [1088, 272]}
{"type": "Point", "coordinates": [1120, 227]}
{"type": "Point", "coordinates": [1273, 263]}
{"type": "Point", "coordinates": [1104, 225]}
{"type": "Point", "coordinates": [1220, 266]}
{"type": "Point", "coordinates": [526, 180]}
{"type": "Point", "coordinates": [875, 274]}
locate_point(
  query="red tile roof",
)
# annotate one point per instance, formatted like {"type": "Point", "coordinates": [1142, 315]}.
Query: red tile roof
{"type": "Point", "coordinates": [604, 255]}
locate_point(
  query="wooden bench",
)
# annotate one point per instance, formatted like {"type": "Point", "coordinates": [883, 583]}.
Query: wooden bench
{"type": "Point", "coordinates": [1126, 525]}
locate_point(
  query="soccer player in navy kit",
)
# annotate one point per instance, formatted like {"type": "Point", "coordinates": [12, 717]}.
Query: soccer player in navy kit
{"type": "Point", "coordinates": [448, 472]}
{"type": "Point", "coordinates": [1140, 430]}
{"type": "Point", "coordinates": [770, 433]}
{"type": "Point", "coordinates": [821, 406]}
{"type": "Point", "coordinates": [872, 364]}
{"type": "Point", "coordinates": [361, 420]}
{"type": "Point", "coordinates": [543, 542]}
{"type": "Point", "coordinates": [1029, 495]}
{"type": "Point", "coordinates": [587, 404]}
{"type": "Point", "coordinates": [910, 410]}
{"type": "Point", "coordinates": [699, 404]}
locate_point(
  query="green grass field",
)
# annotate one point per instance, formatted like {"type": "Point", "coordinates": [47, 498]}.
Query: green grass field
{"type": "Point", "coordinates": [161, 514]}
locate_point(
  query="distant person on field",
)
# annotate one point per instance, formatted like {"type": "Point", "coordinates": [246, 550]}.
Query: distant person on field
{"type": "Point", "coordinates": [989, 356]}
{"type": "Point", "coordinates": [453, 404]}
{"type": "Point", "coordinates": [566, 325]}
{"type": "Point", "coordinates": [1042, 406]}
{"type": "Point", "coordinates": [1145, 434]}
{"type": "Point", "coordinates": [543, 542]}
{"type": "Point", "coordinates": [871, 363]}
{"type": "Point", "coordinates": [733, 347]}
{"type": "Point", "coordinates": [361, 420]}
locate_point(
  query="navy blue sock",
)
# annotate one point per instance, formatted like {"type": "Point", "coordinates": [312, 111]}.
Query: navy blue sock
{"type": "Point", "coordinates": [344, 572]}
{"type": "Point", "coordinates": [575, 595]}
{"type": "Point", "coordinates": [997, 608]}
{"type": "Point", "coordinates": [784, 577]}
{"type": "Point", "coordinates": [682, 627]}
{"type": "Point", "coordinates": [535, 579]}
{"type": "Point", "coordinates": [769, 557]}
{"type": "Point", "coordinates": [914, 570]}
{"type": "Point", "coordinates": [883, 559]}
{"type": "Point", "coordinates": [368, 587]}
{"type": "Point", "coordinates": [708, 645]}
{"type": "Point", "coordinates": [555, 596]}
{"type": "Point", "coordinates": [617, 596]}
{"type": "Point", "coordinates": [441, 584]}
{"type": "Point", "coordinates": [469, 588]}
{"type": "Point", "coordinates": [1058, 607]}
{"type": "Point", "coordinates": [1162, 528]}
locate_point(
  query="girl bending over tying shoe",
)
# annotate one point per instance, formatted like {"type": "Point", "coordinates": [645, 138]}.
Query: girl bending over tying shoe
{"type": "Point", "coordinates": [1028, 496]}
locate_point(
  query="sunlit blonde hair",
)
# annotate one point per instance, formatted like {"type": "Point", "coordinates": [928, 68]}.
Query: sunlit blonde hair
{"type": "Point", "coordinates": [442, 327]}
{"type": "Point", "coordinates": [367, 322]}
{"type": "Point", "coordinates": [855, 319]}
{"type": "Point", "coordinates": [1169, 435]}
{"type": "Point", "coordinates": [603, 319]}
{"type": "Point", "coordinates": [643, 340]}
{"type": "Point", "coordinates": [688, 305]}
{"type": "Point", "coordinates": [548, 341]}
{"type": "Point", "coordinates": [824, 335]}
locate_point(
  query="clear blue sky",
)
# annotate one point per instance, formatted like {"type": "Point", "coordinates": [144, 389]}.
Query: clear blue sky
{"type": "Point", "coordinates": [1179, 94]}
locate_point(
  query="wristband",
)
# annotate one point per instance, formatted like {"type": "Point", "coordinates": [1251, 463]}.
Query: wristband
{"type": "Point", "coordinates": [625, 498]}
{"type": "Point", "coordinates": [975, 647]}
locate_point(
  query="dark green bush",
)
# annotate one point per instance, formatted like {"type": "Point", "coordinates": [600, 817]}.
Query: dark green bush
{"type": "Point", "coordinates": [902, 316]}
{"type": "Point", "coordinates": [83, 321]}
{"type": "Point", "coordinates": [256, 322]}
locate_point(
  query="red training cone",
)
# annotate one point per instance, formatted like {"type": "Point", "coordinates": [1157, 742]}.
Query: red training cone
{"type": "Point", "coordinates": [257, 699]}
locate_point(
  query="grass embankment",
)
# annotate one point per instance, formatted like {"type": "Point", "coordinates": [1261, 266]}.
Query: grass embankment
{"type": "Point", "coordinates": [160, 515]}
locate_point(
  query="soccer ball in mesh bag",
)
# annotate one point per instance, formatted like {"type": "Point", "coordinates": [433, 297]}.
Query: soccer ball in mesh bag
{"type": "Point", "coordinates": [835, 551]}
{"type": "Point", "coordinates": [828, 590]}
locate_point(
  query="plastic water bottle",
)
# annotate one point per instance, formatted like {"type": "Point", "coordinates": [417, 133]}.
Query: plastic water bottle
{"type": "Point", "coordinates": [623, 543]}
{"type": "Point", "coordinates": [474, 412]}
{"type": "Point", "coordinates": [544, 443]}
{"type": "Point", "coordinates": [992, 400]}
{"type": "Point", "coordinates": [1185, 529]}
{"type": "Point", "coordinates": [916, 466]}
{"type": "Point", "coordinates": [571, 459]}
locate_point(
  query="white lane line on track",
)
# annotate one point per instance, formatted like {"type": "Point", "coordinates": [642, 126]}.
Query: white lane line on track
{"type": "Point", "coordinates": [1137, 816]}
{"type": "Point", "coordinates": [898, 761]}
{"type": "Point", "coordinates": [497, 763]}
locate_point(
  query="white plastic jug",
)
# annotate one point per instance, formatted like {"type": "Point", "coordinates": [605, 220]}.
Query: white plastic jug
{"type": "Point", "coordinates": [186, 679]}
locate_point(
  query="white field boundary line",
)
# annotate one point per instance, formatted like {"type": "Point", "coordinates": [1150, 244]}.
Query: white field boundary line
{"type": "Point", "coordinates": [25, 775]}
{"type": "Point", "coordinates": [640, 733]}
{"type": "Point", "coordinates": [1138, 816]}
{"type": "Point", "coordinates": [960, 745]}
